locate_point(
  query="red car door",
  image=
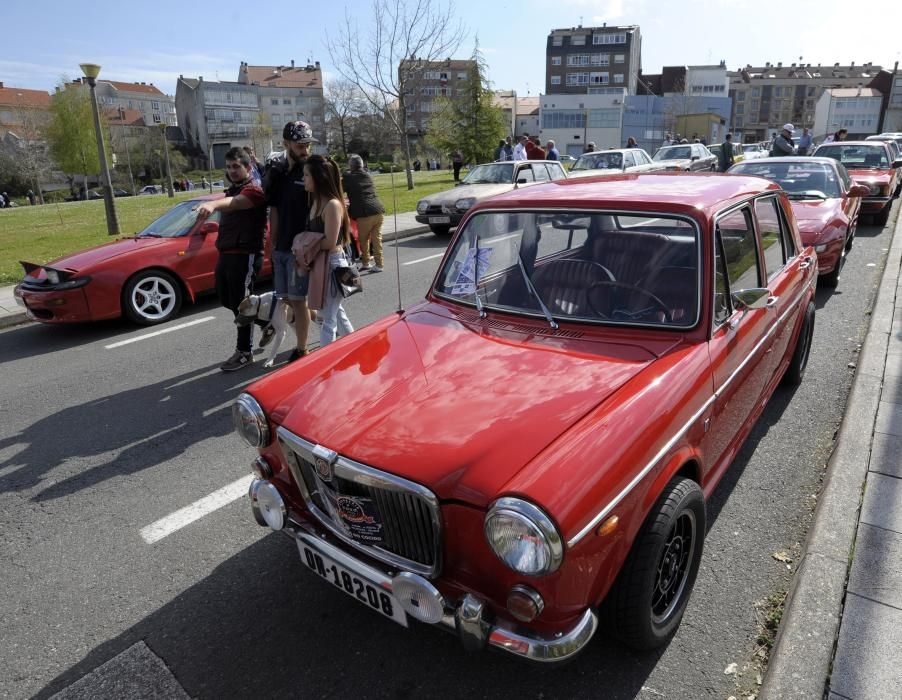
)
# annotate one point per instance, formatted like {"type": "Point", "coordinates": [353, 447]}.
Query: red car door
{"type": "Point", "coordinates": [741, 339]}
{"type": "Point", "coordinates": [198, 255]}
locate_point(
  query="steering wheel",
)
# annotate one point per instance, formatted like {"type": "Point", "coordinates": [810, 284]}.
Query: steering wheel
{"type": "Point", "coordinates": [661, 306]}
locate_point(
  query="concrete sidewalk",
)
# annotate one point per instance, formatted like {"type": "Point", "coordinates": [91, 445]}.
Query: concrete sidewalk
{"type": "Point", "coordinates": [841, 632]}
{"type": "Point", "coordinates": [402, 225]}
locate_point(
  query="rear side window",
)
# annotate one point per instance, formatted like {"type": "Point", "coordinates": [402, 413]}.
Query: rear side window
{"type": "Point", "coordinates": [736, 260]}
{"type": "Point", "coordinates": [556, 171]}
{"type": "Point", "coordinates": [772, 238]}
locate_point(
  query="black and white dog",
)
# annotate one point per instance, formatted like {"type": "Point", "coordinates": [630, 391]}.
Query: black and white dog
{"type": "Point", "coordinates": [266, 310]}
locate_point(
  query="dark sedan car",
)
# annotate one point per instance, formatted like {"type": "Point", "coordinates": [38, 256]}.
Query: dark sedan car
{"type": "Point", "coordinates": [686, 157]}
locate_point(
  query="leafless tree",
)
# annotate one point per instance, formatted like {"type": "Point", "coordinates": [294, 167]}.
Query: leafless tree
{"type": "Point", "coordinates": [344, 102]}
{"type": "Point", "coordinates": [387, 59]}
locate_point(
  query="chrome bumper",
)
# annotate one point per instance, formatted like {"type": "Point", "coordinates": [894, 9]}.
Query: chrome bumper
{"type": "Point", "coordinates": [467, 618]}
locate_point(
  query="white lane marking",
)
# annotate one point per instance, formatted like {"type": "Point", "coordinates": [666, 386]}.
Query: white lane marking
{"type": "Point", "coordinates": [155, 333]}
{"type": "Point", "coordinates": [210, 411]}
{"type": "Point", "coordinates": [431, 257]}
{"type": "Point", "coordinates": [187, 515]}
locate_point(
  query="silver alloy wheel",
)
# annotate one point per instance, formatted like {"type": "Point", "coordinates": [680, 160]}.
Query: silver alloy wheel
{"type": "Point", "coordinates": [154, 298]}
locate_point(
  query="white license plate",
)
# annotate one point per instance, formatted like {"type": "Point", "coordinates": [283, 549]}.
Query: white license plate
{"type": "Point", "coordinates": [439, 219]}
{"type": "Point", "coordinates": [354, 584]}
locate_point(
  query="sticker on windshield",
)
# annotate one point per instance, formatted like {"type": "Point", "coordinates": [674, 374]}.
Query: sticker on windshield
{"type": "Point", "coordinates": [470, 271]}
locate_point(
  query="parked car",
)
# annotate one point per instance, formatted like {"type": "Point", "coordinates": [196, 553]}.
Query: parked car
{"type": "Point", "coordinates": [686, 157]}
{"type": "Point", "coordinates": [535, 441]}
{"type": "Point", "coordinates": [894, 136]}
{"type": "Point", "coordinates": [871, 163]}
{"type": "Point", "coordinates": [218, 185]}
{"type": "Point", "coordinates": [567, 160]}
{"type": "Point", "coordinates": [145, 277]}
{"type": "Point", "coordinates": [752, 151]}
{"type": "Point", "coordinates": [98, 194]}
{"type": "Point", "coordinates": [825, 201]}
{"type": "Point", "coordinates": [150, 189]}
{"type": "Point", "coordinates": [615, 161]}
{"type": "Point", "coordinates": [444, 210]}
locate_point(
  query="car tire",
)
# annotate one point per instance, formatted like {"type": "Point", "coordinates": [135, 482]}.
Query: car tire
{"type": "Point", "coordinates": [882, 216]}
{"type": "Point", "coordinates": [151, 296]}
{"type": "Point", "coordinates": [831, 279]}
{"type": "Point", "coordinates": [441, 230]}
{"type": "Point", "coordinates": [646, 603]}
{"type": "Point", "coordinates": [799, 362]}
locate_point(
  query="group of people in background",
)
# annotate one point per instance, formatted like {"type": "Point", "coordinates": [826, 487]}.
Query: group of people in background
{"type": "Point", "coordinates": [310, 225]}
{"type": "Point", "coordinates": [527, 148]}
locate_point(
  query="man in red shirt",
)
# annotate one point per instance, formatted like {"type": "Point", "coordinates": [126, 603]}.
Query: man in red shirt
{"type": "Point", "coordinates": [537, 152]}
{"type": "Point", "coordinates": [242, 227]}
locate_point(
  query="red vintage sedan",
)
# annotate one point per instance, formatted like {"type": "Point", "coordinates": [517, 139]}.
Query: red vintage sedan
{"type": "Point", "coordinates": [529, 449]}
{"type": "Point", "coordinates": [870, 163]}
{"type": "Point", "coordinates": [825, 201]}
{"type": "Point", "coordinates": [145, 277]}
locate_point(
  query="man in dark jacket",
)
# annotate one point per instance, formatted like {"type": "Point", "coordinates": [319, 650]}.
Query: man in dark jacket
{"type": "Point", "coordinates": [783, 145]}
{"type": "Point", "coordinates": [366, 209]}
{"type": "Point", "coordinates": [726, 153]}
{"type": "Point", "coordinates": [242, 227]}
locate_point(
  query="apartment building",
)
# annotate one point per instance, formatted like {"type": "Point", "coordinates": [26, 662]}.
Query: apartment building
{"type": "Point", "coordinates": [572, 121]}
{"type": "Point", "coordinates": [521, 112]}
{"type": "Point", "coordinates": [155, 106]}
{"type": "Point", "coordinates": [23, 112]}
{"type": "Point", "coordinates": [426, 81]}
{"type": "Point", "coordinates": [587, 60]}
{"type": "Point", "coordinates": [287, 93]}
{"type": "Point", "coordinates": [855, 109]}
{"type": "Point", "coordinates": [765, 98]}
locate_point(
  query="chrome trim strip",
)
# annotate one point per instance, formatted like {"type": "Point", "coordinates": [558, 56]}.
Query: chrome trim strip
{"type": "Point", "coordinates": [682, 431]}
{"type": "Point", "coordinates": [362, 474]}
{"type": "Point", "coordinates": [532, 648]}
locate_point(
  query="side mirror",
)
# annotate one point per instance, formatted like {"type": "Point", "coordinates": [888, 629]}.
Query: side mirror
{"type": "Point", "coordinates": [694, 158]}
{"type": "Point", "coordinates": [897, 163]}
{"type": "Point", "coordinates": [859, 191]}
{"type": "Point", "coordinates": [208, 227]}
{"type": "Point", "coordinates": [521, 180]}
{"type": "Point", "coordinates": [754, 298]}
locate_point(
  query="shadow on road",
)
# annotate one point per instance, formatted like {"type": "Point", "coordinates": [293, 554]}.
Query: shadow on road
{"type": "Point", "coordinates": [260, 625]}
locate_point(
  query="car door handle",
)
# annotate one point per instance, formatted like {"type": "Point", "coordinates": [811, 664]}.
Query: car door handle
{"type": "Point", "coordinates": [806, 263]}
{"type": "Point", "coordinates": [771, 302]}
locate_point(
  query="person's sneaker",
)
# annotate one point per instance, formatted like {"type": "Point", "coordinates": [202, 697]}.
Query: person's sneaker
{"type": "Point", "coordinates": [376, 268]}
{"type": "Point", "coordinates": [237, 361]}
{"type": "Point", "coordinates": [266, 336]}
{"type": "Point", "coordinates": [295, 354]}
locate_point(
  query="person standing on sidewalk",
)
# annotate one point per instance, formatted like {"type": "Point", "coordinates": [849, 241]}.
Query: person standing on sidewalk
{"type": "Point", "coordinates": [457, 161]}
{"type": "Point", "coordinates": [240, 244]}
{"type": "Point", "coordinates": [287, 198]}
{"type": "Point", "coordinates": [368, 211]}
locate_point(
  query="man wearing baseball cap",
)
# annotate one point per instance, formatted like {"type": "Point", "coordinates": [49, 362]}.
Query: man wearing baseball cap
{"type": "Point", "coordinates": [287, 199]}
{"type": "Point", "coordinates": [783, 145]}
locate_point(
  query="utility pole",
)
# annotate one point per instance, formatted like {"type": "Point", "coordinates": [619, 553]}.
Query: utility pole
{"type": "Point", "coordinates": [91, 71]}
{"type": "Point", "coordinates": [166, 152]}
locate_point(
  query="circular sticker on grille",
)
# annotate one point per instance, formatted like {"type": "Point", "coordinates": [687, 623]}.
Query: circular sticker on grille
{"type": "Point", "coordinates": [323, 469]}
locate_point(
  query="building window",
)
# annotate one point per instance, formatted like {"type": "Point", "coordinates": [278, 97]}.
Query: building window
{"type": "Point", "coordinates": [556, 80]}
{"type": "Point", "coordinates": [599, 78]}
{"type": "Point", "coordinates": [155, 105]}
{"type": "Point", "coordinates": [737, 122]}
{"type": "Point", "coordinates": [740, 96]}
{"type": "Point", "coordinates": [604, 118]}
{"type": "Point", "coordinates": [608, 39]}
{"type": "Point", "coordinates": [274, 100]}
{"type": "Point", "coordinates": [156, 119]}
{"type": "Point", "coordinates": [555, 60]}
{"type": "Point", "coordinates": [754, 106]}
{"type": "Point", "coordinates": [619, 58]}
{"type": "Point", "coordinates": [601, 59]}
{"type": "Point", "coordinates": [578, 40]}
{"type": "Point", "coordinates": [578, 59]}
{"type": "Point", "coordinates": [557, 40]}
{"type": "Point", "coordinates": [461, 76]}
{"type": "Point", "coordinates": [618, 77]}
{"type": "Point", "coordinates": [286, 100]}
{"type": "Point", "coordinates": [756, 92]}
{"type": "Point", "coordinates": [563, 119]}
{"type": "Point", "coordinates": [577, 78]}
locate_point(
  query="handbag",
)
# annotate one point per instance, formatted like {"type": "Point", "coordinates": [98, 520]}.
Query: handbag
{"type": "Point", "coordinates": [348, 280]}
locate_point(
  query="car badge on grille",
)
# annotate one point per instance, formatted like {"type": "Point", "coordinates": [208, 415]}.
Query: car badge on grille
{"type": "Point", "coordinates": [323, 462]}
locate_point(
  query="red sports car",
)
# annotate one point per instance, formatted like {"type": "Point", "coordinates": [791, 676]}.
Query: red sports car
{"type": "Point", "coordinates": [146, 277]}
{"type": "Point", "coordinates": [825, 201]}
{"type": "Point", "coordinates": [533, 443]}
{"type": "Point", "coordinates": [870, 163]}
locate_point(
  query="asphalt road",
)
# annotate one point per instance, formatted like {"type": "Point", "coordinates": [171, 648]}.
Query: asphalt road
{"type": "Point", "coordinates": [99, 442]}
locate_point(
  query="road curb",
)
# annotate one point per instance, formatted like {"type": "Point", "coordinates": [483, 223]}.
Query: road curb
{"type": "Point", "coordinates": [14, 319]}
{"type": "Point", "coordinates": [802, 655]}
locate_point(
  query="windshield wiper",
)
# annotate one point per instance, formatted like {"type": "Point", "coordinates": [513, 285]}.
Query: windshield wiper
{"type": "Point", "coordinates": [150, 234]}
{"type": "Point", "coordinates": [532, 290]}
{"type": "Point", "coordinates": [806, 195]}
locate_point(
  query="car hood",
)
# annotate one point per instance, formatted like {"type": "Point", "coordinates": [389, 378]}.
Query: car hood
{"type": "Point", "coordinates": [813, 215]}
{"type": "Point", "coordinates": [867, 175]}
{"type": "Point", "coordinates": [479, 191]}
{"type": "Point", "coordinates": [678, 162]}
{"type": "Point", "coordinates": [458, 408]}
{"type": "Point", "coordinates": [92, 256]}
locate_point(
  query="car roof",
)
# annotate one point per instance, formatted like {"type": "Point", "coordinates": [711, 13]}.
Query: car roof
{"type": "Point", "coordinates": [790, 159]}
{"type": "Point", "coordinates": [860, 142]}
{"type": "Point", "coordinates": [614, 150]}
{"type": "Point", "coordinates": [678, 192]}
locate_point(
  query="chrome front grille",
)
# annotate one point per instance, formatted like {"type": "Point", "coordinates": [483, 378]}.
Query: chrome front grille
{"type": "Point", "coordinates": [397, 521]}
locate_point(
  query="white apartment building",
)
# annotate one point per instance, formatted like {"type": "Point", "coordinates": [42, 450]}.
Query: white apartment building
{"type": "Point", "coordinates": [855, 109]}
{"type": "Point", "coordinates": [572, 121]}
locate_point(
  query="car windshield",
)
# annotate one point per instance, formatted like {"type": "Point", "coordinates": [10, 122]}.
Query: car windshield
{"type": "Point", "coordinates": [673, 153]}
{"type": "Point", "coordinates": [749, 148]}
{"type": "Point", "coordinates": [595, 266]}
{"type": "Point", "coordinates": [490, 174]}
{"type": "Point", "coordinates": [599, 161]}
{"type": "Point", "coordinates": [176, 222]}
{"type": "Point", "coordinates": [804, 179]}
{"type": "Point", "coordinates": [856, 155]}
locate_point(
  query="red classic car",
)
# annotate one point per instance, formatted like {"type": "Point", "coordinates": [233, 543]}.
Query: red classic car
{"type": "Point", "coordinates": [872, 164]}
{"type": "Point", "coordinates": [530, 448]}
{"type": "Point", "coordinates": [825, 201]}
{"type": "Point", "coordinates": [145, 277]}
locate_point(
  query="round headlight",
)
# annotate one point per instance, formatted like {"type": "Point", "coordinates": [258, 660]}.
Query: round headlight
{"type": "Point", "coordinates": [250, 421]}
{"type": "Point", "coordinates": [465, 203]}
{"type": "Point", "coordinates": [422, 206]}
{"type": "Point", "coordinates": [523, 537]}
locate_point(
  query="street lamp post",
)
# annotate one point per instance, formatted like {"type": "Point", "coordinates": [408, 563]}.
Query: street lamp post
{"type": "Point", "coordinates": [91, 71]}
{"type": "Point", "coordinates": [166, 151]}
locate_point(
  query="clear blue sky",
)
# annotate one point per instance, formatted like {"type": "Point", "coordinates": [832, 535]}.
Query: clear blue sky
{"type": "Point", "coordinates": [156, 40]}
